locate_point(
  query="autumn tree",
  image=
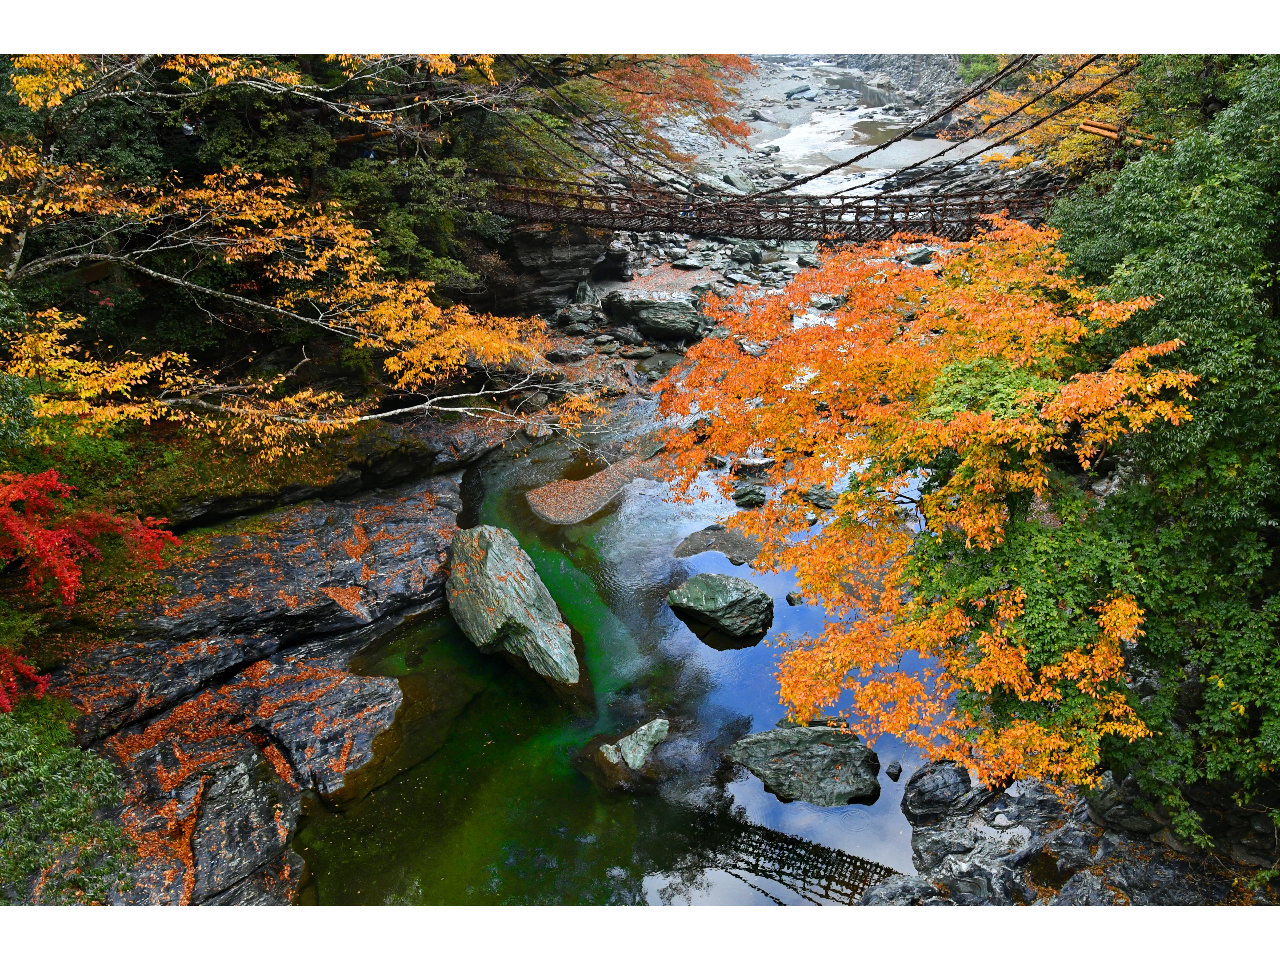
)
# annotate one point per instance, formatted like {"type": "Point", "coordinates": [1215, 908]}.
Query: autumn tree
{"type": "Point", "coordinates": [972, 608]}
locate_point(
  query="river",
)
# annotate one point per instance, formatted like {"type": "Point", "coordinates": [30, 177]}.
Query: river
{"type": "Point", "coordinates": [496, 812]}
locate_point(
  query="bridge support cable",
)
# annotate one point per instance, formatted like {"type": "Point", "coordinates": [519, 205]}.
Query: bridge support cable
{"type": "Point", "coordinates": [976, 90]}
{"type": "Point", "coordinates": [1027, 129]}
{"type": "Point", "coordinates": [974, 136]}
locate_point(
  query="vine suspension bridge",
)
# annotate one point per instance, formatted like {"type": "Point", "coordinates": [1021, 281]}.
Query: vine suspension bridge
{"type": "Point", "coordinates": [954, 216]}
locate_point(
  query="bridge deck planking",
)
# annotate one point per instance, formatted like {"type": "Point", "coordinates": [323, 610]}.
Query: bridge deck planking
{"type": "Point", "coordinates": [862, 219]}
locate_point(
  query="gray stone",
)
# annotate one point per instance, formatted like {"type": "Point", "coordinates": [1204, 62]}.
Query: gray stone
{"type": "Point", "coordinates": [634, 749]}
{"type": "Point", "coordinates": [730, 605]}
{"type": "Point", "coordinates": [738, 181]}
{"type": "Point", "coordinates": [940, 790]}
{"type": "Point", "coordinates": [894, 771]}
{"type": "Point", "coordinates": [568, 354]}
{"type": "Point", "coordinates": [796, 91]}
{"type": "Point", "coordinates": [824, 498]}
{"type": "Point", "coordinates": [637, 353]}
{"type": "Point", "coordinates": [753, 466]}
{"type": "Point", "coordinates": [499, 601]}
{"type": "Point", "coordinates": [661, 316]}
{"type": "Point", "coordinates": [820, 765]}
{"type": "Point", "coordinates": [904, 892]}
{"type": "Point", "coordinates": [749, 495]}
{"type": "Point", "coordinates": [794, 599]}
{"type": "Point", "coordinates": [1117, 806]}
{"type": "Point", "coordinates": [687, 263]}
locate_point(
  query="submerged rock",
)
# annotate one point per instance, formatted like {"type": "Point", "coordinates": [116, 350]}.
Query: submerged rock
{"type": "Point", "coordinates": [634, 749]}
{"type": "Point", "coordinates": [500, 602]}
{"type": "Point", "coordinates": [729, 605]}
{"type": "Point", "coordinates": [625, 763]}
{"type": "Point", "coordinates": [819, 765]}
{"type": "Point", "coordinates": [734, 544]}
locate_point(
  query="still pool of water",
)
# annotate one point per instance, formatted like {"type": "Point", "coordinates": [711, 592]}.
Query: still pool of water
{"type": "Point", "coordinates": [496, 812]}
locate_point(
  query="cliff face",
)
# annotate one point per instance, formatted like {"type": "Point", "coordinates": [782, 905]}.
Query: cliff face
{"type": "Point", "coordinates": [230, 701]}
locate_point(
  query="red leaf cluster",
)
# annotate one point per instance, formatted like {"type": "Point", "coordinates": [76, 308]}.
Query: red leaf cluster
{"type": "Point", "coordinates": [37, 531]}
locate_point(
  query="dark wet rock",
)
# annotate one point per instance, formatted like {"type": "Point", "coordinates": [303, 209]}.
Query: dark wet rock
{"type": "Point", "coordinates": [627, 335]}
{"type": "Point", "coordinates": [893, 771]}
{"type": "Point", "coordinates": [322, 569]}
{"type": "Point", "coordinates": [795, 599]}
{"type": "Point", "coordinates": [748, 495]}
{"type": "Point", "coordinates": [904, 892]}
{"type": "Point", "coordinates": [500, 602]}
{"type": "Point", "coordinates": [939, 790]}
{"type": "Point", "coordinates": [637, 353]}
{"type": "Point", "coordinates": [213, 786]}
{"type": "Point", "coordinates": [230, 698]}
{"type": "Point", "coordinates": [1086, 889]}
{"type": "Point", "coordinates": [553, 261]}
{"type": "Point", "coordinates": [577, 313]}
{"type": "Point", "coordinates": [568, 354]}
{"type": "Point", "coordinates": [728, 605]}
{"type": "Point", "coordinates": [734, 544]}
{"type": "Point", "coordinates": [1027, 844]}
{"type": "Point", "coordinates": [658, 315]}
{"type": "Point", "coordinates": [824, 498]}
{"type": "Point", "coordinates": [1117, 806]}
{"type": "Point", "coordinates": [820, 765]}
{"type": "Point", "coordinates": [395, 455]}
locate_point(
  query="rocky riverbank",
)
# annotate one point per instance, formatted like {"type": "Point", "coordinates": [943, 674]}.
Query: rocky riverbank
{"type": "Point", "coordinates": [1028, 844]}
{"type": "Point", "coordinates": [228, 704]}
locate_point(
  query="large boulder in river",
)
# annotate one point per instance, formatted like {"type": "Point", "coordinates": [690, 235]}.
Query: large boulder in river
{"type": "Point", "coordinates": [826, 766]}
{"type": "Point", "coordinates": [731, 606]}
{"type": "Point", "coordinates": [498, 600]}
{"type": "Point", "coordinates": [662, 316]}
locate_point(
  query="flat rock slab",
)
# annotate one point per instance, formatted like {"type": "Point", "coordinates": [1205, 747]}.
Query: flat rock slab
{"type": "Point", "coordinates": [820, 765]}
{"type": "Point", "coordinates": [317, 569]}
{"type": "Point", "coordinates": [573, 501]}
{"type": "Point", "coordinates": [231, 697]}
{"type": "Point", "coordinates": [734, 544]}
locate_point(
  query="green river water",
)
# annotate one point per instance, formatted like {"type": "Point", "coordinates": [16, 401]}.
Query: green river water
{"type": "Point", "coordinates": [496, 813]}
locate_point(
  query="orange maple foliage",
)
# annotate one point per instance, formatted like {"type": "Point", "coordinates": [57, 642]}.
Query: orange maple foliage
{"type": "Point", "coordinates": [865, 395]}
{"type": "Point", "coordinates": [1055, 82]}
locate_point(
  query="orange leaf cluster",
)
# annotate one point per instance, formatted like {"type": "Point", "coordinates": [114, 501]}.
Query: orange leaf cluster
{"type": "Point", "coordinates": [972, 361]}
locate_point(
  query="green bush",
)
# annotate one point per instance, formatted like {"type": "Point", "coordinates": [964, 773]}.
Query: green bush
{"type": "Point", "coordinates": [55, 846]}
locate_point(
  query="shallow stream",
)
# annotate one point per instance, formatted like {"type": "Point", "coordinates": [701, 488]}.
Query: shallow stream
{"type": "Point", "coordinates": [497, 813]}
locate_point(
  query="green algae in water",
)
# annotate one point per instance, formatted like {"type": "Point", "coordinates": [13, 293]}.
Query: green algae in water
{"type": "Point", "coordinates": [490, 810]}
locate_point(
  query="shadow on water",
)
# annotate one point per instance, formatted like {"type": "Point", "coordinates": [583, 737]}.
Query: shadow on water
{"type": "Point", "coordinates": [489, 809]}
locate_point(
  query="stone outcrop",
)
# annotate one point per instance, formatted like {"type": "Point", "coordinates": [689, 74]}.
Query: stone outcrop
{"type": "Point", "coordinates": [1027, 844]}
{"type": "Point", "coordinates": [825, 766]}
{"type": "Point", "coordinates": [230, 698]}
{"type": "Point", "coordinates": [393, 456]}
{"type": "Point", "coordinates": [499, 601]}
{"type": "Point", "coordinates": [731, 607]}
